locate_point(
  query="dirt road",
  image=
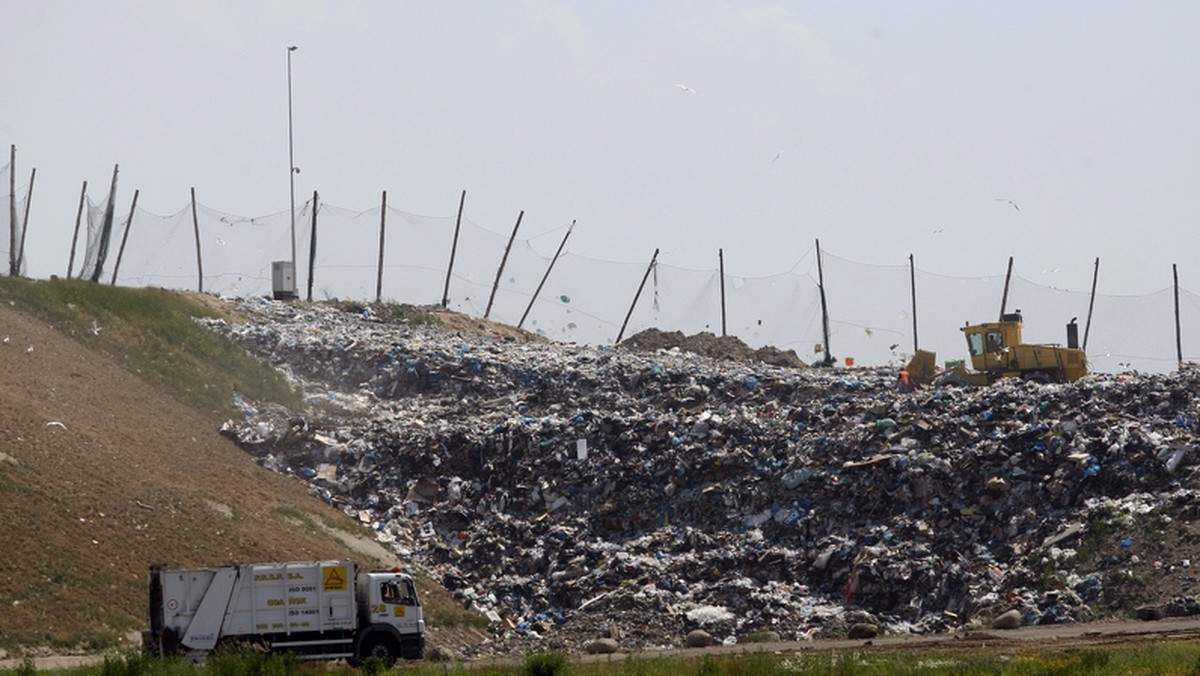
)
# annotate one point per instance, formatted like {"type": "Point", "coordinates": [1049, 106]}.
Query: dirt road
{"type": "Point", "coordinates": [1045, 638]}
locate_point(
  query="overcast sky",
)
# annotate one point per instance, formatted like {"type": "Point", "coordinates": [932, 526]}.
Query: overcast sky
{"type": "Point", "coordinates": [960, 132]}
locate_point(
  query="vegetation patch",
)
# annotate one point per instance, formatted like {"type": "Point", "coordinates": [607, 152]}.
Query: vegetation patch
{"type": "Point", "coordinates": [1172, 658]}
{"type": "Point", "coordinates": [153, 332]}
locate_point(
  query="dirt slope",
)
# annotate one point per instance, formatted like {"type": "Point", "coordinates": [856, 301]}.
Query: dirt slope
{"type": "Point", "coordinates": [102, 475]}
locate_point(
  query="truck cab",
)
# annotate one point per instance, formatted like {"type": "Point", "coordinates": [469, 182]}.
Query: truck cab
{"type": "Point", "coordinates": [389, 604]}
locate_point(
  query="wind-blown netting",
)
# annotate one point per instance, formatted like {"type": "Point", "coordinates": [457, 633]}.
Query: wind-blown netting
{"type": "Point", "coordinates": [12, 221]}
{"type": "Point", "coordinates": [585, 300]}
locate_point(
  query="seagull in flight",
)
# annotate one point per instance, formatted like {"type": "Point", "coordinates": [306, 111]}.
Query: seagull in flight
{"type": "Point", "coordinates": [686, 89]}
{"type": "Point", "coordinates": [1014, 204]}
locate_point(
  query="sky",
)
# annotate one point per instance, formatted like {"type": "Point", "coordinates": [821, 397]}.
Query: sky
{"type": "Point", "coordinates": [962, 133]}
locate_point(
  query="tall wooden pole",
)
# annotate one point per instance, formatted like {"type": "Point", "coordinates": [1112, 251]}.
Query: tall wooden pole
{"type": "Point", "coordinates": [25, 220]}
{"type": "Point", "coordinates": [379, 268]}
{"type": "Point", "coordinates": [912, 281]}
{"type": "Point", "coordinates": [546, 276]}
{"type": "Point", "coordinates": [649, 269]}
{"type": "Point", "coordinates": [453, 250]}
{"type": "Point", "coordinates": [721, 266]}
{"type": "Point", "coordinates": [1004, 298]}
{"type": "Point", "coordinates": [828, 360]}
{"type": "Point", "coordinates": [196, 231]}
{"type": "Point", "coordinates": [1178, 332]}
{"type": "Point", "coordinates": [312, 247]}
{"type": "Point", "coordinates": [1087, 327]}
{"type": "Point", "coordinates": [503, 260]}
{"type": "Point", "coordinates": [106, 227]}
{"type": "Point", "coordinates": [124, 238]}
{"type": "Point", "coordinates": [75, 236]}
{"type": "Point", "coordinates": [12, 211]}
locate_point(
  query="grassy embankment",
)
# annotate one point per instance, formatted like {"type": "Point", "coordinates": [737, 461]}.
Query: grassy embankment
{"type": "Point", "coordinates": [107, 493]}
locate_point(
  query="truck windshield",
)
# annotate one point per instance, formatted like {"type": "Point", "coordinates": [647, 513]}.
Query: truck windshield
{"type": "Point", "coordinates": [408, 593]}
{"type": "Point", "coordinates": [399, 592]}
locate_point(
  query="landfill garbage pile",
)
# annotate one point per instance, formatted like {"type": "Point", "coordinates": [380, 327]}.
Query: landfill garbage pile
{"type": "Point", "coordinates": [571, 493]}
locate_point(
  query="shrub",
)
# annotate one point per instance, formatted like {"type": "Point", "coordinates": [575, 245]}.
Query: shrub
{"type": "Point", "coordinates": [544, 664]}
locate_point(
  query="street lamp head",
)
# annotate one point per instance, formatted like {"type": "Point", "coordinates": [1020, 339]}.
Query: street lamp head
{"type": "Point", "coordinates": [293, 48]}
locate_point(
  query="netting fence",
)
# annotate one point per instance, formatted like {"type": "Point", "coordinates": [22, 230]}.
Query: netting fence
{"type": "Point", "coordinates": [12, 221]}
{"type": "Point", "coordinates": [590, 301]}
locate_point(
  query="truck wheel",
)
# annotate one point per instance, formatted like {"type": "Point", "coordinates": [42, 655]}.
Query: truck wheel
{"type": "Point", "coordinates": [1039, 377]}
{"type": "Point", "coordinates": [381, 647]}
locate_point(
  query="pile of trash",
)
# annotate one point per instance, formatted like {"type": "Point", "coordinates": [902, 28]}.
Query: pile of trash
{"type": "Point", "coordinates": [571, 492]}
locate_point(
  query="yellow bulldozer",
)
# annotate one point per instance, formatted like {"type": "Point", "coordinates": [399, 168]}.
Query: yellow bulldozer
{"type": "Point", "coordinates": [997, 351]}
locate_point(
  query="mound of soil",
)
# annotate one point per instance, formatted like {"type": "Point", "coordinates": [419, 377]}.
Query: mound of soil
{"type": "Point", "coordinates": [728, 348]}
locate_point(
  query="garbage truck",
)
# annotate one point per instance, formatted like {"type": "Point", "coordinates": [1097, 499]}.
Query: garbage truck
{"type": "Point", "coordinates": [316, 609]}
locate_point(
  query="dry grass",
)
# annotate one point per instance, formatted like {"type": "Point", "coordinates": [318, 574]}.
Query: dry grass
{"type": "Point", "coordinates": [111, 460]}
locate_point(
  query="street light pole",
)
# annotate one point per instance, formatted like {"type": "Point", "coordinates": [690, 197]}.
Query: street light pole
{"type": "Point", "coordinates": [291, 158]}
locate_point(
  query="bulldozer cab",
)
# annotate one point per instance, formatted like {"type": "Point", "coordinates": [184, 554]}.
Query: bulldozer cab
{"type": "Point", "coordinates": [980, 343]}
{"type": "Point", "coordinates": [990, 344]}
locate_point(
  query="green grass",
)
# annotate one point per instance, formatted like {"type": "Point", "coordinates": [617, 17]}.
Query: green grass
{"type": "Point", "coordinates": [391, 312]}
{"type": "Point", "coordinates": [1158, 659]}
{"type": "Point", "coordinates": [152, 332]}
